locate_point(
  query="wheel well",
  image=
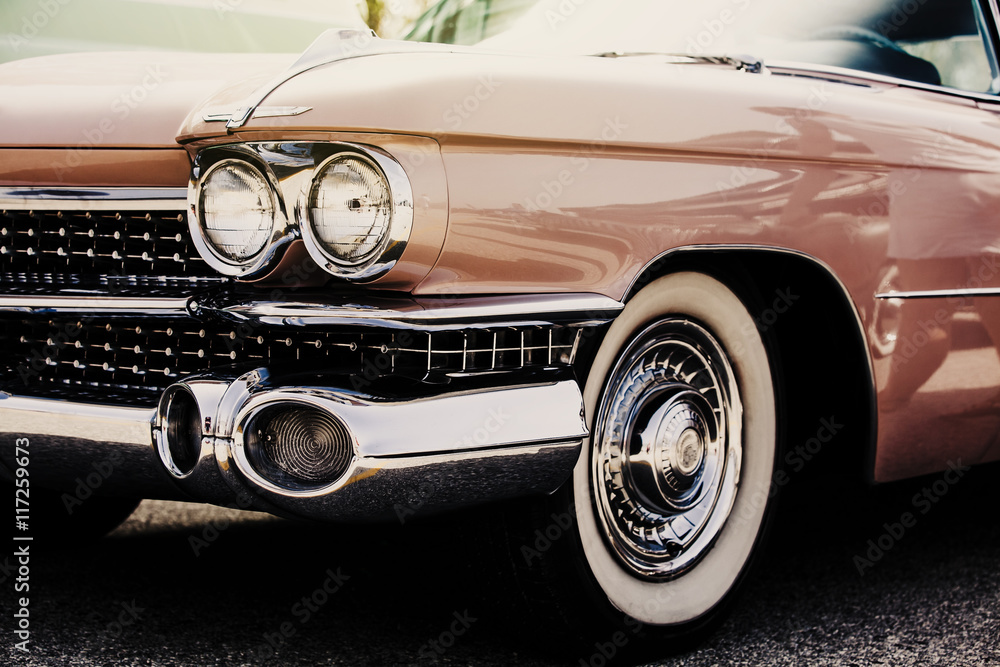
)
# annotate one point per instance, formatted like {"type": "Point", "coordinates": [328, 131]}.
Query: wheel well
{"type": "Point", "coordinates": [819, 354]}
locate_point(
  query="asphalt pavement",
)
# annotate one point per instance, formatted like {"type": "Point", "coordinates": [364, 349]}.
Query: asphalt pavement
{"type": "Point", "coordinates": [903, 575]}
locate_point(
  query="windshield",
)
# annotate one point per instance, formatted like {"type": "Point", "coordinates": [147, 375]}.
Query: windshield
{"type": "Point", "coordinates": [939, 42]}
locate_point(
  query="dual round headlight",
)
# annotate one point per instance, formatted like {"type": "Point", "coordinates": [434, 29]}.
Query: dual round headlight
{"type": "Point", "coordinates": [353, 210]}
{"type": "Point", "coordinates": [349, 210]}
{"type": "Point", "coordinates": [236, 211]}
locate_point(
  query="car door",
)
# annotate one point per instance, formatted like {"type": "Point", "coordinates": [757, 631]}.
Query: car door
{"type": "Point", "coordinates": [935, 325]}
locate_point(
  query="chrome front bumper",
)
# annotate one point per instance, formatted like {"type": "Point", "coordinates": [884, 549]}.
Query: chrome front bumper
{"type": "Point", "coordinates": [414, 446]}
{"type": "Point", "coordinates": [412, 454]}
{"type": "Point", "coordinates": [83, 449]}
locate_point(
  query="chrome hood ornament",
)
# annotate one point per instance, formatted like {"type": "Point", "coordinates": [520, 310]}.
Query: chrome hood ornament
{"type": "Point", "coordinates": [260, 112]}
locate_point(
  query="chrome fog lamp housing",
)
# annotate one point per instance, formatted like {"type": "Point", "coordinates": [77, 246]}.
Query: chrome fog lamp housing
{"type": "Point", "coordinates": [234, 217]}
{"type": "Point", "coordinates": [291, 446]}
{"type": "Point", "coordinates": [357, 214]}
{"type": "Point", "coordinates": [178, 432]}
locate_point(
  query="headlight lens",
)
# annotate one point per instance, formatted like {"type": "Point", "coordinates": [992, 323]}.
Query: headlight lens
{"type": "Point", "coordinates": [350, 208]}
{"type": "Point", "coordinates": [236, 211]}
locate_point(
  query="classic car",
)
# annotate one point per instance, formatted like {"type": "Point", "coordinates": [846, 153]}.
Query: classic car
{"type": "Point", "coordinates": [624, 270]}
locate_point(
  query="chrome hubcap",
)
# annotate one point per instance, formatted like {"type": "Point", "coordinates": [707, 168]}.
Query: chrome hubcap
{"type": "Point", "coordinates": [667, 448]}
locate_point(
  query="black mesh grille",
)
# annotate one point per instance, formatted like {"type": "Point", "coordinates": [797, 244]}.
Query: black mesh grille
{"type": "Point", "coordinates": [106, 249]}
{"type": "Point", "coordinates": [130, 361]}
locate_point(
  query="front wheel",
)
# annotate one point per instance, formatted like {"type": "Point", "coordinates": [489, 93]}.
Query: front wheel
{"type": "Point", "coordinates": [670, 496]}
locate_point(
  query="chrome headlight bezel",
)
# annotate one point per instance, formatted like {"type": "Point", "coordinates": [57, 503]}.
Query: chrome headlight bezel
{"type": "Point", "coordinates": [291, 170]}
{"type": "Point", "coordinates": [281, 233]}
{"type": "Point", "coordinates": [388, 250]}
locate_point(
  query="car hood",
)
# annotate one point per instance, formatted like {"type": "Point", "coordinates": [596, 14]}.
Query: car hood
{"type": "Point", "coordinates": [352, 82]}
{"type": "Point", "coordinates": [111, 100]}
